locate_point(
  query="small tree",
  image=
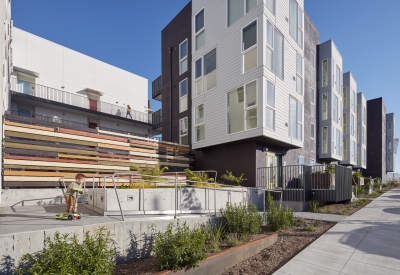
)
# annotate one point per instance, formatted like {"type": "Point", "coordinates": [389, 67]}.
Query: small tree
{"type": "Point", "coordinates": [197, 176]}
{"type": "Point", "coordinates": [232, 179]}
{"type": "Point", "coordinates": [156, 171]}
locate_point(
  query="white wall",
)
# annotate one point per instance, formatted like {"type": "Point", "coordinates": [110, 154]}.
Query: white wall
{"type": "Point", "coordinates": [123, 127]}
{"type": "Point", "coordinates": [59, 66]}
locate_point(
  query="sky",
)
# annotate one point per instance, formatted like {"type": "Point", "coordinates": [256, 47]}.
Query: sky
{"type": "Point", "coordinates": [127, 34]}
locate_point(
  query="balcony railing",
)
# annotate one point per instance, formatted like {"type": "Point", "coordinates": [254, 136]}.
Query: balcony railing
{"type": "Point", "coordinates": [156, 88]}
{"type": "Point", "coordinates": [157, 119]}
{"type": "Point", "coordinates": [77, 100]}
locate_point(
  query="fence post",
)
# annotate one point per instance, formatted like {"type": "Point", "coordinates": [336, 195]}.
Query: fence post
{"type": "Point", "coordinates": [143, 195]}
{"type": "Point", "coordinates": [176, 199]}
{"type": "Point", "coordinates": [215, 198]}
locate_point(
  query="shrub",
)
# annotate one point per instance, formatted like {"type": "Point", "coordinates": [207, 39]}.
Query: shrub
{"type": "Point", "coordinates": [309, 228]}
{"type": "Point", "coordinates": [232, 240]}
{"type": "Point", "coordinates": [317, 223]}
{"type": "Point", "coordinates": [240, 219]}
{"type": "Point", "coordinates": [197, 176]}
{"type": "Point", "coordinates": [357, 174]}
{"type": "Point", "coordinates": [314, 206]}
{"type": "Point", "coordinates": [330, 169]}
{"type": "Point", "coordinates": [278, 218]}
{"type": "Point", "coordinates": [136, 185]}
{"type": "Point", "coordinates": [65, 255]}
{"type": "Point", "coordinates": [179, 248]}
{"type": "Point", "coordinates": [154, 172]}
{"type": "Point", "coordinates": [213, 234]}
{"type": "Point", "coordinates": [232, 179]}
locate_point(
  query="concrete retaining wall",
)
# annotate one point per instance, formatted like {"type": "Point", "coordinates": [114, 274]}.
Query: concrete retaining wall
{"type": "Point", "coordinates": [132, 239]}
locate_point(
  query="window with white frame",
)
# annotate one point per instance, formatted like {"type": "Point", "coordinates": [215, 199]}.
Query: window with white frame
{"type": "Point", "coordinates": [344, 124]}
{"type": "Point", "coordinates": [296, 22]}
{"type": "Point", "coordinates": [354, 102]}
{"type": "Point", "coordinates": [271, 5]}
{"type": "Point", "coordinates": [299, 74]}
{"type": "Point", "coordinates": [270, 108]}
{"type": "Point", "coordinates": [274, 54]}
{"type": "Point", "coordinates": [338, 80]}
{"type": "Point", "coordinates": [183, 57]}
{"type": "Point", "coordinates": [344, 149]}
{"type": "Point", "coordinates": [324, 106]}
{"type": "Point", "coordinates": [358, 113]}
{"type": "Point", "coordinates": [183, 131]}
{"type": "Point", "coordinates": [312, 60]}
{"type": "Point", "coordinates": [249, 46]}
{"type": "Point", "coordinates": [242, 108]}
{"type": "Point", "coordinates": [300, 160]}
{"type": "Point", "coordinates": [352, 125]}
{"type": "Point", "coordinates": [364, 156]}
{"type": "Point", "coordinates": [199, 123]}
{"type": "Point", "coordinates": [238, 8]}
{"type": "Point", "coordinates": [389, 146]}
{"type": "Point", "coordinates": [183, 89]}
{"type": "Point", "coordinates": [199, 29]}
{"type": "Point", "coordinates": [335, 108]}
{"type": "Point", "coordinates": [365, 115]}
{"type": "Point", "coordinates": [333, 148]}
{"type": "Point", "coordinates": [325, 73]}
{"type": "Point", "coordinates": [312, 101]}
{"type": "Point", "coordinates": [324, 140]}
{"type": "Point", "coordinates": [205, 72]}
{"type": "Point", "coordinates": [198, 76]}
{"type": "Point", "coordinates": [389, 161]}
{"type": "Point", "coordinates": [358, 133]}
{"type": "Point", "coordinates": [338, 139]}
{"type": "Point", "coordinates": [295, 119]}
{"type": "Point", "coordinates": [312, 137]}
{"type": "Point", "coordinates": [364, 135]}
{"type": "Point", "coordinates": [344, 97]}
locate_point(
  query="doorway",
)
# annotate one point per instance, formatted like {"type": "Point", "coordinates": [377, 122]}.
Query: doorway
{"type": "Point", "coordinates": [273, 170]}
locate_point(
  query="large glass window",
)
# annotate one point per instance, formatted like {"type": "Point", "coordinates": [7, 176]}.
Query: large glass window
{"type": "Point", "coordinates": [237, 8]}
{"type": "Point", "coordinates": [364, 156]}
{"type": "Point", "coordinates": [344, 97]}
{"type": "Point", "coordinates": [344, 149]}
{"type": "Point", "coordinates": [199, 123]}
{"type": "Point", "coordinates": [251, 105]}
{"type": "Point", "coordinates": [312, 61]}
{"type": "Point", "coordinates": [274, 53]}
{"type": "Point", "coordinates": [338, 139]}
{"type": "Point", "coordinates": [335, 108]}
{"type": "Point", "coordinates": [270, 108]}
{"type": "Point", "coordinates": [324, 140]}
{"type": "Point", "coordinates": [354, 102]}
{"type": "Point", "coordinates": [389, 129]}
{"type": "Point", "coordinates": [183, 89]}
{"type": "Point", "coordinates": [198, 76]}
{"type": "Point", "coordinates": [299, 74]}
{"type": "Point", "coordinates": [210, 70]}
{"type": "Point", "coordinates": [249, 36]}
{"type": "Point", "coordinates": [344, 124]}
{"type": "Point", "coordinates": [312, 138]}
{"type": "Point", "coordinates": [295, 119]}
{"type": "Point", "coordinates": [199, 29]}
{"type": "Point", "coordinates": [324, 106]}
{"type": "Point", "coordinates": [183, 131]}
{"type": "Point", "coordinates": [183, 60]}
{"type": "Point", "coordinates": [312, 101]}
{"type": "Point", "coordinates": [338, 80]}
{"type": "Point", "coordinates": [325, 73]}
{"type": "Point", "coordinates": [271, 6]}
{"type": "Point", "coordinates": [352, 132]}
{"type": "Point", "coordinates": [389, 145]}
{"type": "Point", "coordinates": [296, 22]}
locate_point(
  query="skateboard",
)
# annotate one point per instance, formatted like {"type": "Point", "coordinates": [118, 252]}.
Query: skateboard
{"type": "Point", "coordinates": [70, 217]}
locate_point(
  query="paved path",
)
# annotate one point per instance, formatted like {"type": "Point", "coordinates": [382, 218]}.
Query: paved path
{"type": "Point", "coordinates": [320, 216]}
{"type": "Point", "coordinates": [367, 242]}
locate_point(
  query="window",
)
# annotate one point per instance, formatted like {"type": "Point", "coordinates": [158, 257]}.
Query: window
{"type": "Point", "coordinates": [324, 106]}
{"type": "Point", "coordinates": [352, 125]}
{"type": "Point", "coordinates": [199, 123]}
{"type": "Point", "coordinates": [312, 164]}
{"type": "Point", "coordinates": [354, 106]}
{"type": "Point", "coordinates": [312, 138]}
{"type": "Point", "coordinates": [249, 46]}
{"type": "Point", "coordinates": [251, 105]}
{"type": "Point", "coordinates": [199, 29]}
{"type": "Point", "coordinates": [389, 128]}
{"type": "Point", "coordinates": [237, 8]}
{"type": "Point", "coordinates": [312, 61]}
{"type": "Point", "coordinates": [358, 155]}
{"type": "Point", "coordinates": [364, 135]}
{"type": "Point", "coordinates": [296, 22]}
{"type": "Point", "coordinates": [344, 126]}
{"type": "Point", "coordinates": [365, 115]}
{"type": "Point", "coordinates": [210, 70]}
{"type": "Point", "coordinates": [270, 109]}
{"type": "Point", "coordinates": [364, 156]}
{"type": "Point", "coordinates": [335, 108]}
{"type": "Point", "coordinates": [344, 97]}
{"type": "Point", "coordinates": [274, 53]}
{"type": "Point", "coordinates": [271, 6]}
{"type": "Point", "coordinates": [183, 87]}
{"type": "Point", "coordinates": [325, 73]}
{"type": "Point", "coordinates": [312, 100]}
{"type": "Point", "coordinates": [295, 119]}
{"type": "Point", "coordinates": [183, 60]}
{"type": "Point", "coordinates": [389, 146]}
{"type": "Point", "coordinates": [389, 163]}
{"type": "Point", "coordinates": [299, 75]}
{"type": "Point", "coordinates": [300, 160]}
{"type": "Point", "coordinates": [324, 140]}
{"type": "Point", "coordinates": [344, 149]}
{"type": "Point", "coordinates": [183, 131]}
{"type": "Point", "coordinates": [338, 139]}
{"type": "Point", "coordinates": [358, 113]}
{"type": "Point", "coordinates": [358, 133]}
{"type": "Point", "coordinates": [198, 76]}
{"type": "Point", "coordinates": [338, 80]}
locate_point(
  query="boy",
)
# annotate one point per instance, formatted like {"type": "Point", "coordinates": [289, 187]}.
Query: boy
{"type": "Point", "coordinates": [72, 190]}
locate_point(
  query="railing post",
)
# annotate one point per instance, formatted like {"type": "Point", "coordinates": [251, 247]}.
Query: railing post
{"type": "Point", "coordinates": [116, 193]}
{"type": "Point", "coordinates": [143, 195]}
{"type": "Point", "coordinates": [215, 198]}
{"type": "Point", "coordinates": [176, 199]}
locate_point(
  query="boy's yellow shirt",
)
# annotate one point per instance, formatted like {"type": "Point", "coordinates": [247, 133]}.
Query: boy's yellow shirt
{"type": "Point", "coordinates": [70, 190]}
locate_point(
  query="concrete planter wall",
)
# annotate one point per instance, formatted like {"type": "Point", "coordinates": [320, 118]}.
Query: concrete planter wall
{"type": "Point", "coordinates": [164, 200]}
{"type": "Point", "coordinates": [219, 262]}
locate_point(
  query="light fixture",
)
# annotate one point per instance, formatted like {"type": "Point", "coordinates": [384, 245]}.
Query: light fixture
{"type": "Point", "coordinates": [265, 149]}
{"type": "Point", "coordinates": [62, 87]}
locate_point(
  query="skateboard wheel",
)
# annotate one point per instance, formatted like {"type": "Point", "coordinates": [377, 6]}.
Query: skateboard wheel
{"type": "Point", "coordinates": [70, 217]}
{"type": "Point", "coordinates": [79, 217]}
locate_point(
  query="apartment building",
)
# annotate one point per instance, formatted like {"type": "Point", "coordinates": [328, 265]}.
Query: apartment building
{"type": "Point", "coordinates": [361, 132]}
{"type": "Point", "coordinates": [54, 83]}
{"type": "Point", "coordinates": [350, 126]}
{"type": "Point", "coordinates": [390, 140]}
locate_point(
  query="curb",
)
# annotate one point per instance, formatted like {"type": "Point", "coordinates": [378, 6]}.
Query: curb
{"type": "Point", "coordinates": [219, 262]}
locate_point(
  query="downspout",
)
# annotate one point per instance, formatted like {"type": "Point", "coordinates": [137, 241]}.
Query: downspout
{"type": "Point", "coordinates": [170, 89]}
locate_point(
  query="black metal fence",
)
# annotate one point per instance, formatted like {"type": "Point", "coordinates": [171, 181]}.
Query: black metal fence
{"type": "Point", "coordinates": [304, 183]}
{"type": "Point", "coordinates": [156, 87]}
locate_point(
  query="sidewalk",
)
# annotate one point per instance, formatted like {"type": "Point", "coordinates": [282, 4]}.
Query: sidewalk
{"type": "Point", "coordinates": [367, 242]}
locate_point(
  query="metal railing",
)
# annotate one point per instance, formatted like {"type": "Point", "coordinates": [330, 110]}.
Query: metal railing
{"type": "Point", "coordinates": [77, 100]}
{"type": "Point", "coordinates": [156, 87]}
{"type": "Point", "coordinates": [157, 119]}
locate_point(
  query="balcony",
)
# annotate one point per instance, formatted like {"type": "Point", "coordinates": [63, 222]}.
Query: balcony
{"type": "Point", "coordinates": [156, 89]}
{"type": "Point", "coordinates": [40, 91]}
{"type": "Point", "coordinates": [157, 120]}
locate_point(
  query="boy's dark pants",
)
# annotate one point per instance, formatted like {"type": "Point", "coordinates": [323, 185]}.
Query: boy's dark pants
{"type": "Point", "coordinates": [70, 204]}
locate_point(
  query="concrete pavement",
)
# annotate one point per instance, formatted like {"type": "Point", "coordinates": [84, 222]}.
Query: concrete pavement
{"type": "Point", "coordinates": [367, 242]}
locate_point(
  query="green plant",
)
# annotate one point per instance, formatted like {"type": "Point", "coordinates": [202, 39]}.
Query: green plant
{"type": "Point", "coordinates": [330, 169]}
{"type": "Point", "coordinates": [316, 223]}
{"type": "Point", "coordinates": [213, 234]}
{"type": "Point", "coordinates": [314, 206]}
{"type": "Point", "coordinates": [357, 174]}
{"type": "Point", "coordinates": [240, 219]}
{"type": "Point", "coordinates": [309, 228]}
{"type": "Point", "coordinates": [151, 172]}
{"type": "Point", "coordinates": [232, 179]}
{"type": "Point", "coordinates": [278, 218]}
{"type": "Point", "coordinates": [358, 203]}
{"type": "Point", "coordinates": [65, 255]}
{"type": "Point", "coordinates": [136, 185]}
{"type": "Point", "coordinates": [359, 189]}
{"type": "Point", "coordinates": [197, 176]}
{"type": "Point", "coordinates": [326, 210]}
{"type": "Point", "coordinates": [179, 248]}
{"type": "Point", "coordinates": [232, 240]}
